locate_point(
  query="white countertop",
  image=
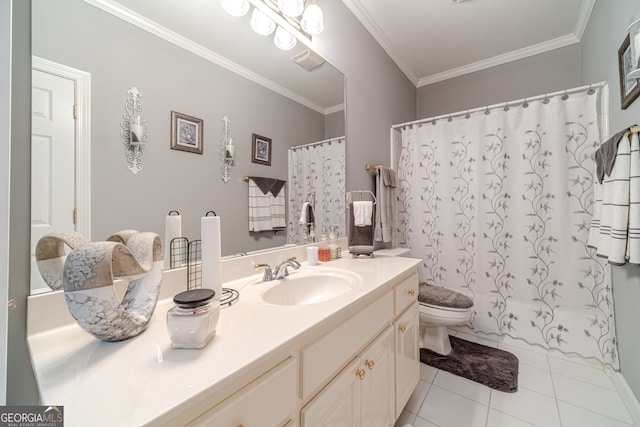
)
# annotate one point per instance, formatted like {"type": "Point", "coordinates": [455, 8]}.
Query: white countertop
{"type": "Point", "coordinates": [143, 380]}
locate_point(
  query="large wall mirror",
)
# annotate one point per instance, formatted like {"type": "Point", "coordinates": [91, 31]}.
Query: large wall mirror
{"type": "Point", "coordinates": [192, 58]}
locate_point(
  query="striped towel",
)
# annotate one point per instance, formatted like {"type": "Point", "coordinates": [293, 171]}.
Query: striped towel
{"type": "Point", "coordinates": [615, 226]}
{"type": "Point", "coordinates": [266, 211]}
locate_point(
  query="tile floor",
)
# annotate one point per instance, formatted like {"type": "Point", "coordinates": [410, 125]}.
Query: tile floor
{"type": "Point", "coordinates": [553, 391]}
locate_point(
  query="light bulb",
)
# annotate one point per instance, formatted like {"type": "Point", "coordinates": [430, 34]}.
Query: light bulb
{"type": "Point", "coordinates": [235, 7]}
{"type": "Point", "coordinates": [313, 20]}
{"type": "Point", "coordinates": [283, 40]}
{"type": "Point", "coordinates": [291, 8]}
{"type": "Point", "coordinates": [261, 23]}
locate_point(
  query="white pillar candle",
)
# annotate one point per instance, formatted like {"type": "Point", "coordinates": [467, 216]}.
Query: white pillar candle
{"type": "Point", "coordinates": [231, 150]}
{"type": "Point", "coordinates": [136, 131]}
{"type": "Point", "coordinates": [211, 254]}
{"type": "Point", "coordinates": [172, 229]}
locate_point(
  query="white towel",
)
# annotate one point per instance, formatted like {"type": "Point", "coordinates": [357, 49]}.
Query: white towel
{"type": "Point", "coordinates": [615, 226]}
{"type": "Point", "coordinates": [304, 218]}
{"type": "Point", "coordinates": [633, 255]}
{"type": "Point", "coordinates": [277, 203]}
{"type": "Point", "coordinates": [259, 209]}
{"type": "Point", "coordinates": [266, 212]}
{"type": "Point", "coordinates": [362, 211]}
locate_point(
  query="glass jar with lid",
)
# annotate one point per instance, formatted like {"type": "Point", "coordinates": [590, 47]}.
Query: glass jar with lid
{"type": "Point", "coordinates": [192, 321]}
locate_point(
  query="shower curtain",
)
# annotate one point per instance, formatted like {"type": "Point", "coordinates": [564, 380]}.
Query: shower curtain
{"type": "Point", "coordinates": [317, 168]}
{"type": "Point", "coordinates": [497, 204]}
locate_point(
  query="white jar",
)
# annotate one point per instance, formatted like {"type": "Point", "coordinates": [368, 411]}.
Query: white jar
{"type": "Point", "coordinates": [192, 321]}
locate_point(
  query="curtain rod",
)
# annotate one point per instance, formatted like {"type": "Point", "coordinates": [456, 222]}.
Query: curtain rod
{"type": "Point", "coordinates": [503, 104]}
{"type": "Point", "coordinates": [338, 138]}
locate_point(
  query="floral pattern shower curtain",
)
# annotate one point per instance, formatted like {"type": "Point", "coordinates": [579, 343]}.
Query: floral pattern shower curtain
{"type": "Point", "coordinates": [318, 169]}
{"type": "Point", "coordinates": [497, 204]}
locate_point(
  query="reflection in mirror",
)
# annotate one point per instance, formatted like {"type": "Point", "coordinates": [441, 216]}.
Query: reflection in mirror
{"type": "Point", "coordinates": [192, 58]}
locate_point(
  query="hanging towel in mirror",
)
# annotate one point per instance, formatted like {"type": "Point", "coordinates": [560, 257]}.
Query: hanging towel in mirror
{"type": "Point", "coordinates": [362, 213]}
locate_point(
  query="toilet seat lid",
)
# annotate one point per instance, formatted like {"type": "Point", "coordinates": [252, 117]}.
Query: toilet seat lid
{"type": "Point", "coordinates": [443, 297]}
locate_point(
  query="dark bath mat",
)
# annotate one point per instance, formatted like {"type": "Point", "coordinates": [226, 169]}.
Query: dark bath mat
{"type": "Point", "coordinates": [494, 368]}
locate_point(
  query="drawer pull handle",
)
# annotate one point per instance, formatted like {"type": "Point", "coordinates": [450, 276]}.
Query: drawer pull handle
{"type": "Point", "coordinates": [403, 328]}
{"type": "Point", "coordinates": [360, 373]}
{"type": "Point", "coordinates": [411, 292]}
{"type": "Point", "coordinates": [370, 364]}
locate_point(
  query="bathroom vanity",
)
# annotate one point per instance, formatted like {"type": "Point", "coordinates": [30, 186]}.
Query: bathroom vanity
{"type": "Point", "coordinates": [351, 360]}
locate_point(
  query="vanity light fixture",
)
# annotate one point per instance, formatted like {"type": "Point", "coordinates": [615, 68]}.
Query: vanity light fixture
{"type": "Point", "coordinates": [634, 38]}
{"type": "Point", "coordinates": [313, 19]}
{"type": "Point", "coordinates": [134, 131]}
{"type": "Point", "coordinates": [236, 7]}
{"type": "Point", "coordinates": [290, 19]}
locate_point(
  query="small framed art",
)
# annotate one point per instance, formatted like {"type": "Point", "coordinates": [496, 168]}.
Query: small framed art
{"type": "Point", "coordinates": [186, 133]}
{"type": "Point", "coordinates": [261, 150]}
{"type": "Point", "coordinates": [629, 88]}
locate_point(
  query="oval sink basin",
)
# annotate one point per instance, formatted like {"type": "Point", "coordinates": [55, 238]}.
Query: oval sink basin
{"type": "Point", "coordinates": [305, 286]}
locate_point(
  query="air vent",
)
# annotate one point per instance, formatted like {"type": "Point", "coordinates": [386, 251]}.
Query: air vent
{"type": "Point", "coordinates": [308, 59]}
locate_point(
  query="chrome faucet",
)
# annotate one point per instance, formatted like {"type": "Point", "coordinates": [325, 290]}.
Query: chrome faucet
{"type": "Point", "coordinates": [280, 271]}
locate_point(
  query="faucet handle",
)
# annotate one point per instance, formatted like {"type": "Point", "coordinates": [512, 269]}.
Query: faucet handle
{"type": "Point", "coordinates": [294, 261]}
{"type": "Point", "coordinates": [268, 274]}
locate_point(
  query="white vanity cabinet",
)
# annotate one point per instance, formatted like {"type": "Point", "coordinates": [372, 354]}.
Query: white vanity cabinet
{"type": "Point", "coordinates": [407, 347]}
{"type": "Point", "coordinates": [407, 352]}
{"type": "Point", "coordinates": [361, 395]}
{"type": "Point", "coordinates": [270, 400]}
{"type": "Point", "coordinates": [373, 389]}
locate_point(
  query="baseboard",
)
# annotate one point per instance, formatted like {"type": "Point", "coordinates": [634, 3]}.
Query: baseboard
{"type": "Point", "coordinates": [627, 395]}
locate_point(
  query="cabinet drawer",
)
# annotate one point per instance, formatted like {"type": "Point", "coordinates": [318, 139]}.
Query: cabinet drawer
{"type": "Point", "coordinates": [322, 359]}
{"type": "Point", "coordinates": [267, 401]}
{"type": "Point", "coordinates": [405, 293]}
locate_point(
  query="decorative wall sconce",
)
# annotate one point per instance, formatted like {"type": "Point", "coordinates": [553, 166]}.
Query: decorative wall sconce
{"type": "Point", "coordinates": [134, 131]}
{"type": "Point", "coordinates": [226, 150]}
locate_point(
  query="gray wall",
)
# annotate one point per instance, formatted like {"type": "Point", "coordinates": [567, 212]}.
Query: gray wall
{"type": "Point", "coordinates": [547, 72]}
{"type": "Point", "coordinates": [606, 30]}
{"type": "Point", "coordinates": [378, 93]}
{"type": "Point", "coordinates": [170, 79]}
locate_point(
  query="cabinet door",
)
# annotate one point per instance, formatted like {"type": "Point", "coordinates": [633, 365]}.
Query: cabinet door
{"type": "Point", "coordinates": [378, 383]}
{"type": "Point", "coordinates": [338, 404]}
{"type": "Point", "coordinates": [267, 401]}
{"type": "Point", "coordinates": [407, 356]}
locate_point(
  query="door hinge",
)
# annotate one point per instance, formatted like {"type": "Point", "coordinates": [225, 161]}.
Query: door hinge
{"type": "Point", "coordinates": [75, 111]}
{"type": "Point", "coordinates": [75, 215]}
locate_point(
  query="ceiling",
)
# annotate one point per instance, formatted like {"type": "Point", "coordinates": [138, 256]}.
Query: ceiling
{"type": "Point", "coordinates": [434, 40]}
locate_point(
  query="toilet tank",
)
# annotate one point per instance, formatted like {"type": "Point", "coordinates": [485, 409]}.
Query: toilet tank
{"type": "Point", "coordinates": [393, 252]}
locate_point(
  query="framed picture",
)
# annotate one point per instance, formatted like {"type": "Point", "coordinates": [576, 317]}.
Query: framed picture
{"type": "Point", "coordinates": [261, 150]}
{"type": "Point", "coordinates": [186, 133]}
{"type": "Point", "coordinates": [629, 88]}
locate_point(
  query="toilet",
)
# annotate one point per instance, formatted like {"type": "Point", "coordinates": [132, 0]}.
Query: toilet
{"type": "Point", "coordinates": [440, 308]}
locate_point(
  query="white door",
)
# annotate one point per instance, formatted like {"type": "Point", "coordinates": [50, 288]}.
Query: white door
{"type": "Point", "coordinates": [52, 161]}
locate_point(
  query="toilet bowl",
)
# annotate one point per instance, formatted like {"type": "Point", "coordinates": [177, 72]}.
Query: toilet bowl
{"type": "Point", "coordinates": [440, 308]}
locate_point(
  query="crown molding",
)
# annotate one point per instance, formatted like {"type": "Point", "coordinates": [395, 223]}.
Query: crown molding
{"type": "Point", "coordinates": [334, 109]}
{"type": "Point", "coordinates": [355, 6]}
{"type": "Point", "coordinates": [500, 59]}
{"type": "Point", "coordinates": [172, 37]}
